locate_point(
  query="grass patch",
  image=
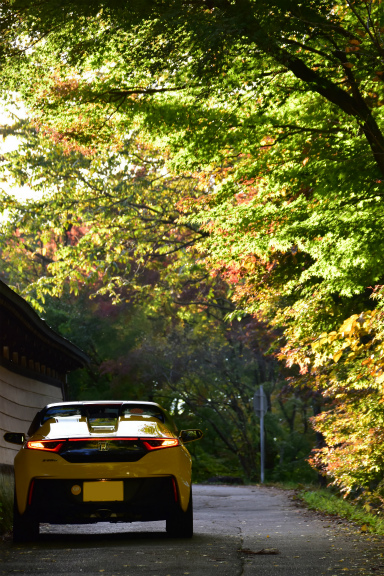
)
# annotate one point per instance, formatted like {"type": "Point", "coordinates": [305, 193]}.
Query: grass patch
{"type": "Point", "coordinates": [290, 485]}
{"type": "Point", "coordinates": [6, 503]}
{"type": "Point", "coordinates": [323, 500]}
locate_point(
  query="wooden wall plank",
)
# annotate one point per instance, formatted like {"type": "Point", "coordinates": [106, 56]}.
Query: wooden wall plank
{"type": "Point", "coordinates": [20, 399]}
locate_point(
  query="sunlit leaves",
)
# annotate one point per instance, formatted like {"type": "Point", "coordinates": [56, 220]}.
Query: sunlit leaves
{"type": "Point", "coordinates": [109, 222]}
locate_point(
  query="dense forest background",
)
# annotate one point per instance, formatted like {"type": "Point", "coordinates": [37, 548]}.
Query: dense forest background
{"type": "Point", "coordinates": [206, 216]}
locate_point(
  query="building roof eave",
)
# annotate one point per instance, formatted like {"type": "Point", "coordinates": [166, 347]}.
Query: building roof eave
{"type": "Point", "coordinates": [11, 300]}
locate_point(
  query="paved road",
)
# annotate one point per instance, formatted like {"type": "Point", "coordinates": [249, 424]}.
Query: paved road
{"type": "Point", "coordinates": [239, 531]}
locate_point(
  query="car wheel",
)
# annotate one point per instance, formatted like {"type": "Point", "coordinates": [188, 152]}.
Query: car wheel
{"type": "Point", "coordinates": [25, 526]}
{"type": "Point", "coordinates": [179, 523]}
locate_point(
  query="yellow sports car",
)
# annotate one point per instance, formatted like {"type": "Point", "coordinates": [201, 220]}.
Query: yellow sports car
{"type": "Point", "coordinates": [110, 461]}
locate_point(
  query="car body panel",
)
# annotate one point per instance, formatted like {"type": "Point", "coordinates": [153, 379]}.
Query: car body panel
{"type": "Point", "coordinates": [175, 462]}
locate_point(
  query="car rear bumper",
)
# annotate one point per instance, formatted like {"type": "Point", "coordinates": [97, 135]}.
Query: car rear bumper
{"type": "Point", "coordinates": [35, 467]}
{"type": "Point", "coordinates": [144, 499]}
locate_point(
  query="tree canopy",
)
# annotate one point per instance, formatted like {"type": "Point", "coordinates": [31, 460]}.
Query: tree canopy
{"type": "Point", "coordinates": [280, 102]}
{"type": "Point", "coordinates": [105, 220]}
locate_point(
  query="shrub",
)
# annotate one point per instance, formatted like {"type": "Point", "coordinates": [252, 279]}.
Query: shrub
{"type": "Point", "coordinates": [324, 500]}
{"type": "Point", "coordinates": [6, 503]}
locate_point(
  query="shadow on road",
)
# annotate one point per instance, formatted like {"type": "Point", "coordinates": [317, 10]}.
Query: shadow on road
{"type": "Point", "coordinates": [100, 539]}
{"type": "Point", "coordinates": [77, 539]}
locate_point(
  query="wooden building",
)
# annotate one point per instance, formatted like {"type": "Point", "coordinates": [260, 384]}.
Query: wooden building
{"type": "Point", "coordinates": [34, 363]}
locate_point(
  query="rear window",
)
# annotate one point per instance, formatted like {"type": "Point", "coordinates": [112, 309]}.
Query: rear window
{"type": "Point", "coordinates": [60, 412]}
{"type": "Point", "coordinates": [99, 413]}
{"type": "Point", "coordinates": [132, 410]}
{"type": "Point", "coordinates": [54, 412]}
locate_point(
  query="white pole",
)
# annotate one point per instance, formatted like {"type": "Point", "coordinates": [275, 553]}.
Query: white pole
{"type": "Point", "coordinates": [261, 435]}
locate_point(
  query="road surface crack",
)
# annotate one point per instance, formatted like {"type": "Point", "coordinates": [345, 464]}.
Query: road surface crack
{"type": "Point", "coordinates": [241, 558]}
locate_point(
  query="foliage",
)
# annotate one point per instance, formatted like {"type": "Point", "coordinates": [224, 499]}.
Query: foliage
{"type": "Point", "coordinates": [6, 503]}
{"type": "Point", "coordinates": [108, 221]}
{"type": "Point", "coordinates": [325, 501]}
{"type": "Point", "coordinates": [103, 331]}
{"type": "Point", "coordinates": [273, 110]}
{"type": "Point", "coordinates": [206, 371]}
{"type": "Point", "coordinates": [291, 463]}
{"type": "Point", "coordinates": [219, 86]}
{"type": "Point", "coordinates": [351, 361]}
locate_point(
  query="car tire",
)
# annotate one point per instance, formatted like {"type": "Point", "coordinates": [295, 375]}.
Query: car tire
{"type": "Point", "coordinates": [25, 526]}
{"type": "Point", "coordinates": [179, 524]}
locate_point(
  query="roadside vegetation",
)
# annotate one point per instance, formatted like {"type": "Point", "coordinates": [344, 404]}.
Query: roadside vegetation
{"type": "Point", "coordinates": [368, 518]}
{"type": "Point", "coordinates": [6, 503]}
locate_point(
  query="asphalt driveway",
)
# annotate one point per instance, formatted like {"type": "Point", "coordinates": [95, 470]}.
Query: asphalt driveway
{"type": "Point", "coordinates": [239, 531]}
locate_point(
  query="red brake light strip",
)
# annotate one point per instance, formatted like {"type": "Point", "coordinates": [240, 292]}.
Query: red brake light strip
{"type": "Point", "coordinates": [100, 438]}
{"type": "Point", "coordinates": [156, 443]}
{"type": "Point", "coordinates": [48, 445]}
{"type": "Point", "coordinates": [55, 445]}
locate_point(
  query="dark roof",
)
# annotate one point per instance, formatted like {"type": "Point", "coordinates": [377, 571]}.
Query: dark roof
{"type": "Point", "coordinates": [32, 322]}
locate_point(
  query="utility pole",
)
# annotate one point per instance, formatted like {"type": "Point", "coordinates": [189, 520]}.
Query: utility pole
{"type": "Point", "coordinates": [260, 407]}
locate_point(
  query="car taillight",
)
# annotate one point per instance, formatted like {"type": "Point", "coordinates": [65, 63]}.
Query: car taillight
{"type": "Point", "coordinates": [155, 444]}
{"type": "Point", "coordinates": [48, 445]}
